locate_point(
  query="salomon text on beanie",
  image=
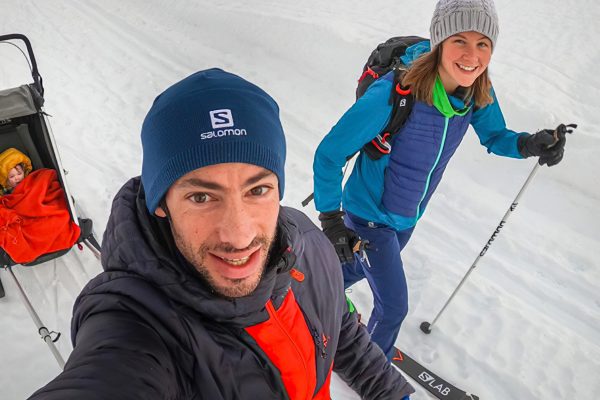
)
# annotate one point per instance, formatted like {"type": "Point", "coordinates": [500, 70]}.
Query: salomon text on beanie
{"type": "Point", "coordinates": [210, 117]}
{"type": "Point", "coordinates": [454, 16]}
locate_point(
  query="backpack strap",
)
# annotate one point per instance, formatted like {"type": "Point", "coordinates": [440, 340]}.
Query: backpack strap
{"type": "Point", "coordinates": [402, 101]}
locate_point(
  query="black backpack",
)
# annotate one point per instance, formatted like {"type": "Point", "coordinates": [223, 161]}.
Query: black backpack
{"type": "Point", "coordinates": [385, 58]}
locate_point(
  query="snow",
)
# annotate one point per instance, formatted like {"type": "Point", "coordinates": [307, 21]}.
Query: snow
{"type": "Point", "coordinates": [526, 325]}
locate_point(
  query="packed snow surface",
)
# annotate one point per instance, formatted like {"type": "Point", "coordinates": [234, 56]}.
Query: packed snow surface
{"type": "Point", "coordinates": [526, 325]}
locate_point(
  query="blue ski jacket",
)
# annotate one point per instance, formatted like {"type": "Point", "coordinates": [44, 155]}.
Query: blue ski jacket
{"type": "Point", "coordinates": [395, 189]}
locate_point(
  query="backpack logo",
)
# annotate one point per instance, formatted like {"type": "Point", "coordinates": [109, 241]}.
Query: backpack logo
{"type": "Point", "coordinates": [221, 118]}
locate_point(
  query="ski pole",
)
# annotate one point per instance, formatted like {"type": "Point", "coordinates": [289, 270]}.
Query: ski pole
{"type": "Point", "coordinates": [45, 335]}
{"type": "Point", "coordinates": [426, 326]}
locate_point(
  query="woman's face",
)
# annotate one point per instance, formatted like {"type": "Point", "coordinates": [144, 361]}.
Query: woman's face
{"type": "Point", "coordinates": [465, 56]}
{"type": "Point", "coordinates": [15, 176]}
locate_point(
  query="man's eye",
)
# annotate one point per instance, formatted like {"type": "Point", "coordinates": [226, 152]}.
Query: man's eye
{"type": "Point", "coordinates": [459, 41]}
{"type": "Point", "coordinates": [483, 45]}
{"type": "Point", "coordinates": [199, 197]}
{"type": "Point", "coordinates": [259, 190]}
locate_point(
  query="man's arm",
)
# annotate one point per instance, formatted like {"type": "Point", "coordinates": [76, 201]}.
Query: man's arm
{"type": "Point", "coordinates": [117, 356]}
{"type": "Point", "coordinates": [363, 366]}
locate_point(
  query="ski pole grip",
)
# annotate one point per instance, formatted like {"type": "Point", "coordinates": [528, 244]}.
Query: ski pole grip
{"type": "Point", "coordinates": [561, 131]}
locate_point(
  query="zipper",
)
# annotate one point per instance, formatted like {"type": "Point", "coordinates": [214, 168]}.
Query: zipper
{"type": "Point", "coordinates": [437, 160]}
{"type": "Point", "coordinates": [320, 344]}
{"type": "Point", "coordinates": [273, 314]}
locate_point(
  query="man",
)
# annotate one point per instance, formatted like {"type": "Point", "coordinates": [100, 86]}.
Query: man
{"type": "Point", "coordinates": [211, 290]}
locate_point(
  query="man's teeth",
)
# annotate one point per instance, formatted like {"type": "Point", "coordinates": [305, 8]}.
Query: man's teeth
{"type": "Point", "coordinates": [466, 68]}
{"type": "Point", "coordinates": [236, 261]}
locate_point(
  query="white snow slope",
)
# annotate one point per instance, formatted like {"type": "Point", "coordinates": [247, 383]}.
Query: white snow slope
{"type": "Point", "coordinates": [526, 325]}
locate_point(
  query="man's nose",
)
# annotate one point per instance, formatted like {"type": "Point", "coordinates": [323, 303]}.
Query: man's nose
{"type": "Point", "coordinates": [237, 226]}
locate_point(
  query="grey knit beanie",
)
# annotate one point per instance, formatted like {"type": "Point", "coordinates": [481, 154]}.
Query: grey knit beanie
{"type": "Point", "coordinates": [455, 16]}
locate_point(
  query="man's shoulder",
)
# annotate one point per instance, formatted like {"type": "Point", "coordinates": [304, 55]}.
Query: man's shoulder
{"type": "Point", "coordinates": [314, 248]}
{"type": "Point", "coordinates": [299, 219]}
{"type": "Point", "coordinates": [116, 281]}
{"type": "Point", "coordinates": [122, 291]}
{"type": "Point", "coordinates": [308, 238]}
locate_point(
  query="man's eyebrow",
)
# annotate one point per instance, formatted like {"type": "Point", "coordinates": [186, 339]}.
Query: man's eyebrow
{"type": "Point", "coordinates": [204, 184]}
{"type": "Point", "coordinates": [258, 177]}
{"type": "Point", "coordinates": [199, 183]}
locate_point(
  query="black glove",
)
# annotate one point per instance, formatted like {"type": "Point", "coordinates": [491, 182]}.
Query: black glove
{"type": "Point", "coordinates": [342, 237]}
{"type": "Point", "coordinates": [547, 144]}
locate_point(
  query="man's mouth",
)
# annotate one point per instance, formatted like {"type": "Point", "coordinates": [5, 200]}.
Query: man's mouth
{"type": "Point", "coordinates": [236, 267]}
{"type": "Point", "coordinates": [236, 261]}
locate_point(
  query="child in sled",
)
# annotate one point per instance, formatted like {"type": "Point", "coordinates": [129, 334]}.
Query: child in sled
{"type": "Point", "coordinates": [34, 215]}
{"type": "Point", "coordinates": [14, 167]}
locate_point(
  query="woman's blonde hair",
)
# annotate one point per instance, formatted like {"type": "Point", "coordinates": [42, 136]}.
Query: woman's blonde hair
{"type": "Point", "coordinates": [423, 72]}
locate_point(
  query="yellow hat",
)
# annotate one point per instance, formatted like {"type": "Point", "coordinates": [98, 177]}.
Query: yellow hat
{"type": "Point", "coordinates": [9, 159]}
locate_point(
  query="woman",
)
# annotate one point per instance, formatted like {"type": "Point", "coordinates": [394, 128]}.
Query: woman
{"type": "Point", "coordinates": [383, 199]}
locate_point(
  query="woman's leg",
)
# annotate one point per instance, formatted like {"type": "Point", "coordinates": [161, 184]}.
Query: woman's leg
{"type": "Point", "coordinates": [388, 282]}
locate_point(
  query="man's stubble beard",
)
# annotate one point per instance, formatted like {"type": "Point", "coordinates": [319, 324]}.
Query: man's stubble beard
{"type": "Point", "coordinates": [238, 287]}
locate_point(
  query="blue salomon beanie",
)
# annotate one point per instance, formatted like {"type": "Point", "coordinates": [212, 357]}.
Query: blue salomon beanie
{"type": "Point", "coordinates": [210, 117]}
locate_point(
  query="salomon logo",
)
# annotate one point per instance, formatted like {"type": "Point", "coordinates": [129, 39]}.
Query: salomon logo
{"type": "Point", "coordinates": [223, 132]}
{"type": "Point", "coordinates": [221, 118]}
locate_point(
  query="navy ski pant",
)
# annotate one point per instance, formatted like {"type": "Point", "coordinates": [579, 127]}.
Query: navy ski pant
{"type": "Point", "coordinates": [385, 276]}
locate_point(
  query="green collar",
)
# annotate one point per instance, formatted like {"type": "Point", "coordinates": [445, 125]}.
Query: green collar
{"type": "Point", "coordinates": [442, 103]}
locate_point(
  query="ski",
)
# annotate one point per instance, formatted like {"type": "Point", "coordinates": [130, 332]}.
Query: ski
{"type": "Point", "coordinates": [1, 289]}
{"type": "Point", "coordinates": [435, 385]}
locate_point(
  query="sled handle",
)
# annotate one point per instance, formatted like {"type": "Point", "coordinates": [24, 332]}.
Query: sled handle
{"type": "Point", "coordinates": [37, 79]}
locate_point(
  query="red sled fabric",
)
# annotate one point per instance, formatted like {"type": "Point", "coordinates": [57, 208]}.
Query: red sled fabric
{"type": "Point", "coordinates": [35, 219]}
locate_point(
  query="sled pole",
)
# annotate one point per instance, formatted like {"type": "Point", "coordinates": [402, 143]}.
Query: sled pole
{"type": "Point", "coordinates": [426, 326]}
{"type": "Point", "coordinates": [93, 245]}
{"type": "Point", "coordinates": [45, 334]}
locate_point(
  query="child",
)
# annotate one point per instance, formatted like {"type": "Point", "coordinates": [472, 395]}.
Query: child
{"type": "Point", "coordinates": [14, 167]}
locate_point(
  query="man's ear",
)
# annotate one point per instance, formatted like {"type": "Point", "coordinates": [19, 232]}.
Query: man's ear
{"type": "Point", "coordinates": [159, 212]}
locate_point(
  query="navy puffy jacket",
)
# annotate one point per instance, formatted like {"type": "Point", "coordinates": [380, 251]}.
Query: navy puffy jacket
{"type": "Point", "coordinates": [148, 328]}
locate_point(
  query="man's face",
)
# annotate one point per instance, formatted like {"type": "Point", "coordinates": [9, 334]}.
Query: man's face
{"type": "Point", "coordinates": [223, 219]}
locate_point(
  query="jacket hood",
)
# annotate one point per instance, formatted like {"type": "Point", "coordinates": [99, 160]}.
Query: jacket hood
{"type": "Point", "coordinates": [142, 244]}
